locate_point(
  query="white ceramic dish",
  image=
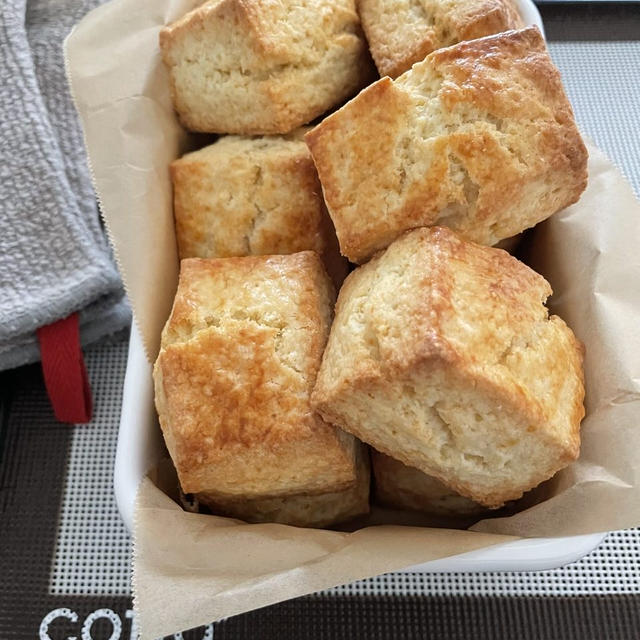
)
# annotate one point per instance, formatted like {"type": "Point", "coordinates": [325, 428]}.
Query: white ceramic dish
{"type": "Point", "coordinates": [530, 14]}
{"type": "Point", "coordinates": [140, 446]}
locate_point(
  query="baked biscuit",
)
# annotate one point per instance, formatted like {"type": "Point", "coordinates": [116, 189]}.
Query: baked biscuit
{"type": "Point", "coordinates": [479, 137]}
{"type": "Point", "coordinates": [238, 360]}
{"type": "Point", "coordinates": [320, 510]}
{"type": "Point", "coordinates": [253, 67]}
{"type": "Point", "coordinates": [443, 356]}
{"type": "Point", "coordinates": [402, 487]}
{"type": "Point", "coordinates": [403, 32]}
{"type": "Point", "coordinates": [252, 196]}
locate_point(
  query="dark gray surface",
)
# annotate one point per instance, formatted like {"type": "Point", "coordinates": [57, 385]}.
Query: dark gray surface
{"type": "Point", "coordinates": [64, 547]}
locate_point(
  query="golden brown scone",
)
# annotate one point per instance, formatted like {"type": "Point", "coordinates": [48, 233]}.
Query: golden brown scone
{"type": "Point", "coordinates": [479, 137]}
{"type": "Point", "coordinates": [263, 66]}
{"type": "Point", "coordinates": [442, 355]}
{"type": "Point", "coordinates": [321, 510]}
{"type": "Point", "coordinates": [402, 487]}
{"type": "Point", "coordinates": [253, 196]}
{"type": "Point", "coordinates": [238, 360]}
{"type": "Point", "coordinates": [402, 32]}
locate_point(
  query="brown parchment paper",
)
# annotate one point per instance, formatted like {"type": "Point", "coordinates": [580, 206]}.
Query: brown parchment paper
{"type": "Point", "coordinates": [190, 569]}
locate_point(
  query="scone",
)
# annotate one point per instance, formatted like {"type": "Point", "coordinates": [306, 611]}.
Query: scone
{"type": "Point", "coordinates": [478, 137]}
{"type": "Point", "coordinates": [402, 487]}
{"type": "Point", "coordinates": [238, 360]}
{"type": "Point", "coordinates": [403, 32]}
{"type": "Point", "coordinates": [443, 356]}
{"type": "Point", "coordinates": [252, 67]}
{"type": "Point", "coordinates": [321, 510]}
{"type": "Point", "coordinates": [252, 196]}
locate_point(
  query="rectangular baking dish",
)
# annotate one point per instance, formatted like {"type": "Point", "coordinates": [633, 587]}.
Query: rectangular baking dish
{"type": "Point", "coordinates": [140, 446]}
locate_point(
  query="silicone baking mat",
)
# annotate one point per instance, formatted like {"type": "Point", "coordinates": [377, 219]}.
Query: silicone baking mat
{"type": "Point", "coordinates": [64, 554]}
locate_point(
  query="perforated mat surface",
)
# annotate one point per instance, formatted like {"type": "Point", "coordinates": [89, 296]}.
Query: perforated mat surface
{"type": "Point", "coordinates": [64, 553]}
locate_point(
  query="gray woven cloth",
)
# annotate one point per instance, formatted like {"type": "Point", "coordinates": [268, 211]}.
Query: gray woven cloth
{"type": "Point", "coordinates": [54, 259]}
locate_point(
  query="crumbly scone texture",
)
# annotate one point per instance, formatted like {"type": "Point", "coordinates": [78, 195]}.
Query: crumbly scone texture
{"type": "Point", "coordinates": [321, 510]}
{"type": "Point", "coordinates": [245, 196]}
{"type": "Point", "coordinates": [263, 66]}
{"type": "Point", "coordinates": [443, 356]}
{"type": "Point", "coordinates": [479, 137]}
{"type": "Point", "coordinates": [402, 487]}
{"type": "Point", "coordinates": [403, 32]}
{"type": "Point", "coordinates": [238, 360]}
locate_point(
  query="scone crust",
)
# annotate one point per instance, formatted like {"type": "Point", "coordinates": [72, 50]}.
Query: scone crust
{"type": "Point", "coordinates": [263, 66]}
{"type": "Point", "coordinates": [252, 196]}
{"type": "Point", "coordinates": [479, 137]}
{"type": "Point", "coordinates": [321, 510]}
{"type": "Point", "coordinates": [402, 487]}
{"type": "Point", "coordinates": [435, 326]}
{"type": "Point", "coordinates": [238, 360]}
{"type": "Point", "coordinates": [403, 32]}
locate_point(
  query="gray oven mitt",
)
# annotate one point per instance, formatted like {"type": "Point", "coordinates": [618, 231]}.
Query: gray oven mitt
{"type": "Point", "coordinates": [54, 259]}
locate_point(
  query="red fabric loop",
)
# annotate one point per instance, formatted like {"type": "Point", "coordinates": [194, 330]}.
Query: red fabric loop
{"type": "Point", "coordinates": [65, 375]}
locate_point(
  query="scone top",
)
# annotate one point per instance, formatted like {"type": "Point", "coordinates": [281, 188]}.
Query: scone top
{"type": "Point", "coordinates": [263, 67]}
{"type": "Point", "coordinates": [238, 361]}
{"type": "Point", "coordinates": [479, 137]}
{"type": "Point", "coordinates": [443, 356]}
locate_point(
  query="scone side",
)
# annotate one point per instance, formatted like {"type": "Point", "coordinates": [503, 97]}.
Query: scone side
{"type": "Point", "coordinates": [303, 510]}
{"type": "Point", "coordinates": [392, 58]}
{"type": "Point", "coordinates": [401, 487]}
{"type": "Point", "coordinates": [277, 208]}
{"type": "Point", "coordinates": [341, 54]}
{"type": "Point", "coordinates": [574, 352]}
{"type": "Point", "coordinates": [485, 18]}
{"type": "Point", "coordinates": [197, 20]}
{"type": "Point", "coordinates": [339, 410]}
{"type": "Point", "coordinates": [188, 219]}
{"type": "Point", "coordinates": [516, 58]}
{"type": "Point", "coordinates": [565, 146]}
